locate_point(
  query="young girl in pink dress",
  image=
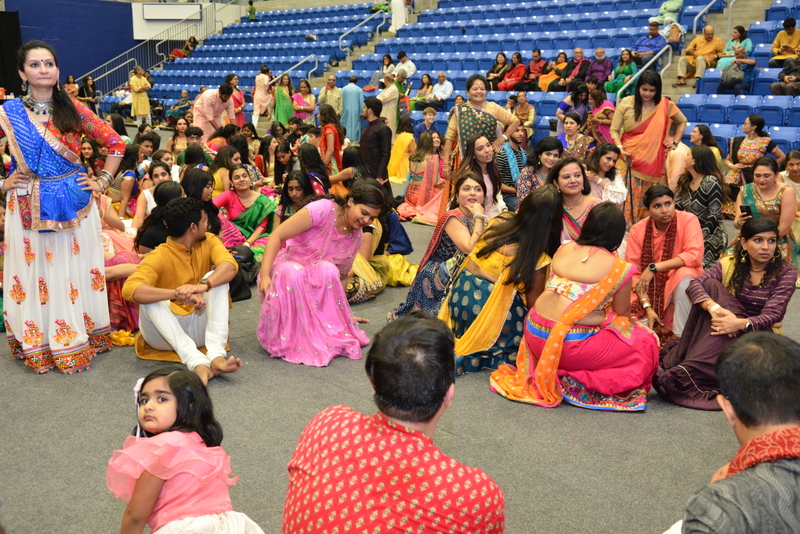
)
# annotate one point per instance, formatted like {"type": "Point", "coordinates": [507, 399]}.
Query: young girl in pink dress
{"type": "Point", "coordinates": [172, 473]}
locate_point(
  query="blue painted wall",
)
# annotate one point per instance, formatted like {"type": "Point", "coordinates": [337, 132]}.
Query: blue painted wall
{"type": "Point", "coordinates": [85, 33]}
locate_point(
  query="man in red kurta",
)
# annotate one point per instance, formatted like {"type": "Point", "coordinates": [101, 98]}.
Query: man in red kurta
{"type": "Point", "coordinates": [380, 474]}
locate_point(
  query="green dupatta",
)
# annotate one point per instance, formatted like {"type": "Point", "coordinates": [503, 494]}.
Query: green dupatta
{"type": "Point", "coordinates": [249, 219]}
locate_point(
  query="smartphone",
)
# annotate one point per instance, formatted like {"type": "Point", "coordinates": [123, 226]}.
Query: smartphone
{"type": "Point", "coordinates": [746, 210]}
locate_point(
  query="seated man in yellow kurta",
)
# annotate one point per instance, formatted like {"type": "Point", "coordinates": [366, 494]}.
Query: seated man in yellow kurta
{"type": "Point", "coordinates": [701, 54]}
{"type": "Point", "coordinates": [785, 44]}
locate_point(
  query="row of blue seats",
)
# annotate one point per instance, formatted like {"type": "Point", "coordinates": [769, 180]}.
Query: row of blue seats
{"type": "Point", "coordinates": [786, 137]}
{"type": "Point", "coordinates": [621, 38]}
{"type": "Point", "coordinates": [730, 109]}
{"type": "Point", "coordinates": [479, 23]}
{"type": "Point", "coordinates": [245, 73]}
{"type": "Point", "coordinates": [474, 61]}
{"type": "Point", "coordinates": [568, 6]}
{"type": "Point", "coordinates": [328, 34]}
{"type": "Point", "coordinates": [760, 85]}
{"type": "Point", "coordinates": [764, 31]}
{"type": "Point", "coordinates": [571, 21]}
{"type": "Point", "coordinates": [211, 52]}
{"type": "Point", "coordinates": [782, 10]}
{"type": "Point", "coordinates": [311, 12]}
{"type": "Point", "coordinates": [308, 25]}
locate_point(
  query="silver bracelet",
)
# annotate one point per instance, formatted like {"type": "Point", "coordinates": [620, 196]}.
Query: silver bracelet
{"type": "Point", "coordinates": [104, 178]}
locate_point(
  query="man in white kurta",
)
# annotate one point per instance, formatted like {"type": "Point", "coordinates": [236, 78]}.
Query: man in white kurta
{"type": "Point", "coordinates": [389, 97]}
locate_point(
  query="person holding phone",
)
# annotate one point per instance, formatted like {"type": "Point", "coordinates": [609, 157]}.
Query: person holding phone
{"type": "Point", "coordinates": [767, 197]}
{"type": "Point", "coordinates": [785, 44]}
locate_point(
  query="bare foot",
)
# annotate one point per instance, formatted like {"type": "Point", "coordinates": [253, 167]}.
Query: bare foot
{"type": "Point", "coordinates": [204, 372]}
{"type": "Point", "coordinates": [360, 319]}
{"type": "Point", "coordinates": [220, 365]}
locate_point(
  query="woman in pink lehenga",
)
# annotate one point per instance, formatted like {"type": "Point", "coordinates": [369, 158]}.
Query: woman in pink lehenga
{"type": "Point", "coordinates": [305, 317]}
{"type": "Point", "coordinates": [304, 103]}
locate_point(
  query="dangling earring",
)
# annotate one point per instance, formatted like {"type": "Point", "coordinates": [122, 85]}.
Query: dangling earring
{"type": "Point", "coordinates": [777, 256]}
{"type": "Point", "coordinates": [58, 86]}
{"type": "Point", "coordinates": [743, 259]}
{"type": "Point", "coordinates": [25, 87]}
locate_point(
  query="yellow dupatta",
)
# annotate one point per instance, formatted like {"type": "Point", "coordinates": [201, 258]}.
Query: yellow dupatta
{"type": "Point", "coordinates": [535, 380]}
{"type": "Point", "coordinates": [484, 331]}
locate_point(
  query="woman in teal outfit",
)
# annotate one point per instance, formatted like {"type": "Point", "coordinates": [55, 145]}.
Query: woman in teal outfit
{"type": "Point", "coordinates": [738, 38]}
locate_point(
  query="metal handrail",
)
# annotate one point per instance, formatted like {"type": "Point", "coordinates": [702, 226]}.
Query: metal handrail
{"type": "Point", "coordinates": [293, 67]}
{"type": "Point", "coordinates": [131, 60]}
{"type": "Point", "coordinates": [647, 66]}
{"type": "Point", "coordinates": [730, 15]}
{"type": "Point", "coordinates": [354, 28]}
{"type": "Point", "coordinates": [702, 12]}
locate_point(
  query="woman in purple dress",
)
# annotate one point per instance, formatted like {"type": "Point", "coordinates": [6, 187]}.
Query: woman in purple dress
{"type": "Point", "coordinates": [305, 317]}
{"type": "Point", "coordinates": [746, 292]}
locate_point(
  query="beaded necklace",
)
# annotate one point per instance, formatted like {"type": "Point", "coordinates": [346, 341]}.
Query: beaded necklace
{"type": "Point", "coordinates": [36, 107]}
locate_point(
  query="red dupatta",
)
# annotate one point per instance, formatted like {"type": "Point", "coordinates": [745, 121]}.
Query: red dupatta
{"type": "Point", "coordinates": [645, 143]}
{"type": "Point", "coordinates": [767, 448]}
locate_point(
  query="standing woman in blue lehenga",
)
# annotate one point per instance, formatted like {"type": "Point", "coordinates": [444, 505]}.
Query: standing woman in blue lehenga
{"type": "Point", "coordinates": [56, 307]}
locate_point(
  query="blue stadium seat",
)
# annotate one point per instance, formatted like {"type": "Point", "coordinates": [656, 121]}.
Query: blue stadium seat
{"type": "Point", "coordinates": [690, 105]}
{"type": "Point", "coordinates": [743, 106]}
{"type": "Point", "coordinates": [793, 113]}
{"type": "Point", "coordinates": [762, 53]}
{"type": "Point", "coordinates": [549, 104]}
{"type": "Point", "coordinates": [786, 137]}
{"type": "Point", "coordinates": [764, 78]}
{"type": "Point", "coordinates": [723, 132]}
{"type": "Point", "coordinates": [781, 10]}
{"type": "Point", "coordinates": [764, 31]}
{"type": "Point", "coordinates": [716, 108]}
{"type": "Point", "coordinates": [773, 109]}
{"type": "Point", "coordinates": [541, 128]}
{"type": "Point", "coordinates": [708, 84]}
{"type": "Point", "coordinates": [625, 37]}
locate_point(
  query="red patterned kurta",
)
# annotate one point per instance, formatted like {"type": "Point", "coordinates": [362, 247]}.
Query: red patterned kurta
{"type": "Point", "coordinates": [355, 473]}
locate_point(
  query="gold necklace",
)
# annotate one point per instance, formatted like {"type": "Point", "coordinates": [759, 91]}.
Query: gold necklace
{"type": "Point", "coordinates": [568, 208]}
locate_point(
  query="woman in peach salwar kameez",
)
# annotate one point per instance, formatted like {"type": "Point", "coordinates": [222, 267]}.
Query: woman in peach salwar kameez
{"type": "Point", "coordinates": [645, 120]}
{"type": "Point", "coordinates": [305, 317]}
{"type": "Point", "coordinates": [425, 181]}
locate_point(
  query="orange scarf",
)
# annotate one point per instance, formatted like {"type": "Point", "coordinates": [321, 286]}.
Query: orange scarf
{"type": "Point", "coordinates": [535, 381]}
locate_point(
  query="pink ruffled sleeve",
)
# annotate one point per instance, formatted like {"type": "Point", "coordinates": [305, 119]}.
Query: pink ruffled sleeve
{"type": "Point", "coordinates": [166, 456]}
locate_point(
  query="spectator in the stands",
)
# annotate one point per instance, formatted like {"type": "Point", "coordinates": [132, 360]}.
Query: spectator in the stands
{"type": "Point", "coordinates": [389, 98]}
{"type": "Point", "coordinates": [535, 69]}
{"type": "Point", "coordinates": [498, 71]}
{"type": "Point", "coordinates": [387, 66]}
{"type": "Point", "coordinates": [648, 45]}
{"type": "Point", "coordinates": [601, 67]}
{"type": "Point", "coordinates": [426, 125]}
{"type": "Point", "coordinates": [352, 105]}
{"type": "Point", "coordinates": [742, 87]}
{"type": "Point", "coordinates": [406, 63]}
{"type": "Point", "coordinates": [438, 96]}
{"type": "Point", "coordinates": [424, 90]}
{"type": "Point", "coordinates": [738, 38]}
{"type": "Point", "coordinates": [574, 72]}
{"type": "Point", "coordinates": [331, 95]}
{"type": "Point", "coordinates": [526, 114]}
{"type": "Point", "coordinates": [701, 54]}
{"type": "Point", "coordinates": [87, 93]}
{"type": "Point", "coordinates": [785, 44]}
{"type": "Point", "coordinates": [510, 162]}
{"type": "Point", "coordinates": [576, 102]}
{"type": "Point", "coordinates": [208, 108]}
{"type": "Point", "coordinates": [789, 79]}
{"type": "Point", "coordinates": [515, 74]}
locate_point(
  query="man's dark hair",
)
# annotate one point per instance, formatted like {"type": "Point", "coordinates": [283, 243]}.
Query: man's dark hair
{"type": "Point", "coordinates": [401, 54]}
{"type": "Point", "coordinates": [760, 376]}
{"type": "Point", "coordinates": [180, 213]}
{"type": "Point", "coordinates": [316, 131]}
{"type": "Point", "coordinates": [194, 131]}
{"type": "Point", "coordinates": [226, 89]}
{"type": "Point", "coordinates": [353, 79]}
{"type": "Point", "coordinates": [789, 23]}
{"type": "Point", "coordinates": [375, 105]}
{"type": "Point", "coordinates": [411, 366]}
{"type": "Point", "coordinates": [537, 51]}
{"type": "Point", "coordinates": [654, 192]}
{"type": "Point", "coordinates": [153, 137]}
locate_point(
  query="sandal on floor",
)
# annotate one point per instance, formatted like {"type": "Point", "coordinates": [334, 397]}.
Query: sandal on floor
{"type": "Point", "coordinates": [679, 84]}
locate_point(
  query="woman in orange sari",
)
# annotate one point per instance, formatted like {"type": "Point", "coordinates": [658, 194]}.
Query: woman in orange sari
{"type": "Point", "coordinates": [580, 345]}
{"type": "Point", "coordinates": [645, 120]}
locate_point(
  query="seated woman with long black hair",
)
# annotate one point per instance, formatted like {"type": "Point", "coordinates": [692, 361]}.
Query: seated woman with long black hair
{"type": "Point", "coordinates": [580, 343]}
{"type": "Point", "coordinates": [748, 291]}
{"type": "Point", "coordinates": [499, 282]}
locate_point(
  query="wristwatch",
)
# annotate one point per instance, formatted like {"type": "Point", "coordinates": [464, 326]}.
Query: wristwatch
{"type": "Point", "coordinates": [207, 283]}
{"type": "Point", "coordinates": [652, 267]}
{"type": "Point", "coordinates": [748, 326]}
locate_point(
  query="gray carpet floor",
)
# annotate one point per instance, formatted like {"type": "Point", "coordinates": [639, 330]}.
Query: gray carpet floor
{"type": "Point", "coordinates": [562, 470]}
